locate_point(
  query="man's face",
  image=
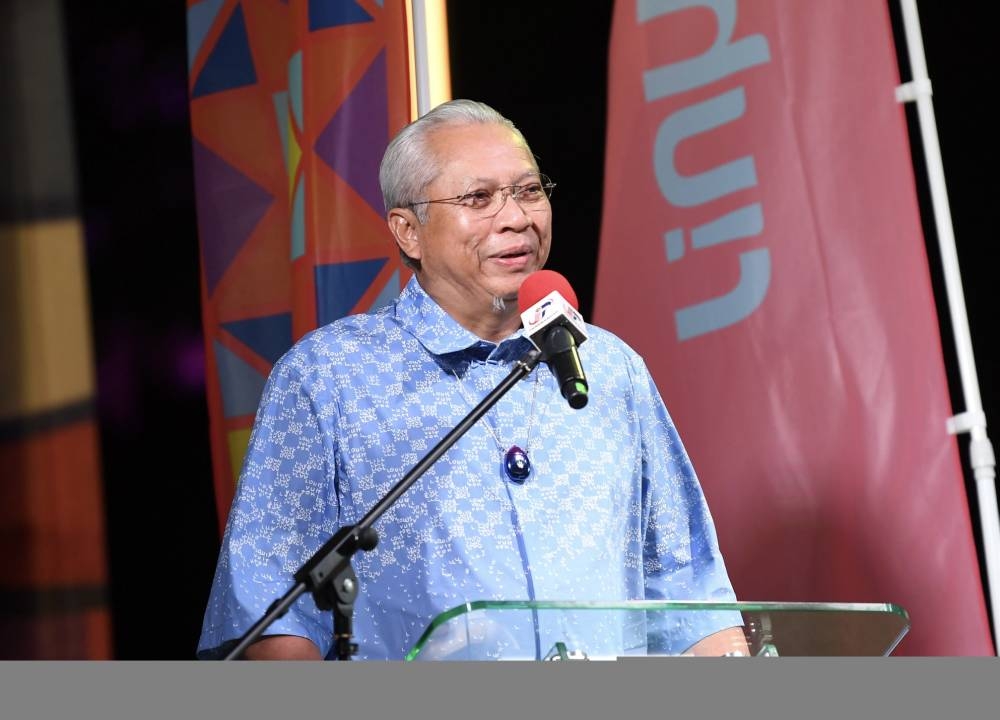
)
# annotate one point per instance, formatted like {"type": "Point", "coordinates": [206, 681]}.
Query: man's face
{"type": "Point", "coordinates": [467, 259]}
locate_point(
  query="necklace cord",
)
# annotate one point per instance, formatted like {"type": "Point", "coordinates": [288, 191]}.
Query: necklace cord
{"type": "Point", "coordinates": [488, 422]}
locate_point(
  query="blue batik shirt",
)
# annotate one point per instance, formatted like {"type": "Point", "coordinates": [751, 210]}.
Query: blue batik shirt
{"type": "Point", "coordinates": [612, 509]}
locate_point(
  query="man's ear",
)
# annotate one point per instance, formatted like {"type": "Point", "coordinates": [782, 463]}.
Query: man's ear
{"type": "Point", "coordinates": [405, 228]}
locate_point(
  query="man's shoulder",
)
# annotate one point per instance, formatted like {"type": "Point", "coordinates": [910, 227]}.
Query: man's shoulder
{"type": "Point", "coordinates": [362, 326]}
{"type": "Point", "coordinates": [612, 360]}
{"type": "Point", "coordinates": [608, 343]}
{"type": "Point", "coordinates": [347, 339]}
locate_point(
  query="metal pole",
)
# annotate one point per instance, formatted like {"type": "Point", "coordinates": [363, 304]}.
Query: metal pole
{"type": "Point", "coordinates": [973, 420]}
{"type": "Point", "coordinates": [421, 65]}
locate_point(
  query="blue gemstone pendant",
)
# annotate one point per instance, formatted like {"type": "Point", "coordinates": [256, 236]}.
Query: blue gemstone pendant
{"type": "Point", "coordinates": [516, 465]}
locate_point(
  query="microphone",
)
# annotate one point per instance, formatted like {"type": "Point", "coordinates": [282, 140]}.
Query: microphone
{"type": "Point", "coordinates": [549, 314]}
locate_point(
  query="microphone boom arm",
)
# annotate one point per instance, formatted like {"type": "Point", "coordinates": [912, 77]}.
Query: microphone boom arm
{"type": "Point", "coordinates": [328, 574]}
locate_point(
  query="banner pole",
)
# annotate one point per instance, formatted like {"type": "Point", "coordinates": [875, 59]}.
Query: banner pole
{"type": "Point", "coordinates": [430, 53]}
{"type": "Point", "coordinates": [973, 420]}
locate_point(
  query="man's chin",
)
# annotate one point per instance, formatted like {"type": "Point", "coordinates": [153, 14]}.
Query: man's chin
{"type": "Point", "coordinates": [507, 287]}
{"type": "Point", "coordinates": [510, 294]}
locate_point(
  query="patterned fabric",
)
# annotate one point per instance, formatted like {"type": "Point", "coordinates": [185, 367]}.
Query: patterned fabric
{"type": "Point", "coordinates": [612, 510]}
{"type": "Point", "coordinates": [292, 106]}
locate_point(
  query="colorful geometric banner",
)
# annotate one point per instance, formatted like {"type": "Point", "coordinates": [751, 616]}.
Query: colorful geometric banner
{"type": "Point", "coordinates": [762, 248]}
{"type": "Point", "coordinates": [292, 105]}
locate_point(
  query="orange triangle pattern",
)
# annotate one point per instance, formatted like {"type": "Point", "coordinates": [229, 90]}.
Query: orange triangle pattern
{"type": "Point", "coordinates": [241, 126]}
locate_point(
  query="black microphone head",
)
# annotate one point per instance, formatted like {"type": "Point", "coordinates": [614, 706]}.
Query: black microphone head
{"type": "Point", "coordinates": [576, 396]}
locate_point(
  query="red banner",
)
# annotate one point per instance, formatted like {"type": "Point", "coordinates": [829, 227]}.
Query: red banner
{"type": "Point", "coordinates": [762, 248]}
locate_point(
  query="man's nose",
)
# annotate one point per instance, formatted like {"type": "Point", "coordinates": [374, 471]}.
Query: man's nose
{"type": "Point", "coordinates": [512, 212]}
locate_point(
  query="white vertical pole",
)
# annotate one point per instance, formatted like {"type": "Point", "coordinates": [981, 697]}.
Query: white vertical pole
{"type": "Point", "coordinates": [420, 61]}
{"type": "Point", "coordinates": [430, 53]}
{"type": "Point", "coordinates": [973, 420]}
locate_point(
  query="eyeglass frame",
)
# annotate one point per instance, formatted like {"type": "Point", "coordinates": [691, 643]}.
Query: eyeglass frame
{"type": "Point", "coordinates": [509, 191]}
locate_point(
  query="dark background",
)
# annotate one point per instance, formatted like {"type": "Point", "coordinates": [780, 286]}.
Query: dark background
{"type": "Point", "coordinates": [541, 64]}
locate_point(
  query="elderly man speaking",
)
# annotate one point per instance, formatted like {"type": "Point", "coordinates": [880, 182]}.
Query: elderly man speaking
{"type": "Point", "coordinates": [538, 501]}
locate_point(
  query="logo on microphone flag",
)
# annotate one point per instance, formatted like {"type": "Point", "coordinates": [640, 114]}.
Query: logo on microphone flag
{"type": "Point", "coordinates": [292, 105]}
{"type": "Point", "coordinates": [539, 314]}
{"type": "Point", "coordinates": [551, 310]}
{"type": "Point", "coordinates": [759, 194]}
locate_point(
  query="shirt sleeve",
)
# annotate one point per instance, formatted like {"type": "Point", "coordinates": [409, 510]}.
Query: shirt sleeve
{"type": "Point", "coordinates": [284, 509]}
{"type": "Point", "coordinates": [681, 556]}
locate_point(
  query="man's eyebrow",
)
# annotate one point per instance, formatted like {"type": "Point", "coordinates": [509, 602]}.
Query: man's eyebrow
{"type": "Point", "coordinates": [519, 178]}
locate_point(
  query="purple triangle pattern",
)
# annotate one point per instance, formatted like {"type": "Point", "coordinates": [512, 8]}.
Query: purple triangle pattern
{"type": "Point", "coordinates": [229, 207]}
{"type": "Point", "coordinates": [353, 141]}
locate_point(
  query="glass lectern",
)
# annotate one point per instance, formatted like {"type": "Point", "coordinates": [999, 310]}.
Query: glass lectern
{"type": "Point", "coordinates": [549, 630]}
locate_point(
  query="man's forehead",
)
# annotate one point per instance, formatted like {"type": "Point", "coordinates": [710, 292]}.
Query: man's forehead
{"type": "Point", "coordinates": [484, 153]}
{"type": "Point", "coordinates": [477, 142]}
{"type": "Point", "coordinates": [478, 130]}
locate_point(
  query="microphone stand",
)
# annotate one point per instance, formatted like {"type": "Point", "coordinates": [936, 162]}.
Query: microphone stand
{"type": "Point", "coordinates": [328, 574]}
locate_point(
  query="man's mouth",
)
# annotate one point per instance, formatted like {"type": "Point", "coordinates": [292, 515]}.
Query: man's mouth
{"type": "Point", "coordinates": [513, 253]}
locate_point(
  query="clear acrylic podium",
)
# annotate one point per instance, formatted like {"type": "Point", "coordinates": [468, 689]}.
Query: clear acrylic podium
{"type": "Point", "coordinates": [550, 630]}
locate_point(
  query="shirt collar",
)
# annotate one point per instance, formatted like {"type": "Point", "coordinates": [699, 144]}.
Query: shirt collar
{"type": "Point", "coordinates": [452, 346]}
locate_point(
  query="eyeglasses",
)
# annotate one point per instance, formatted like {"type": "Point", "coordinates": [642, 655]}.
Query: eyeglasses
{"type": "Point", "coordinates": [487, 203]}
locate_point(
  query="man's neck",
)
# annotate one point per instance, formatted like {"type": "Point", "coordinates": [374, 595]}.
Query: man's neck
{"type": "Point", "coordinates": [492, 322]}
{"type": "Point", "coordinates": [492, 325]}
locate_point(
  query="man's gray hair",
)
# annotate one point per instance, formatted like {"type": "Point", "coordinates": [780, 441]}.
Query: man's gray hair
{"type": "Point", "coordinates": [409, 166]}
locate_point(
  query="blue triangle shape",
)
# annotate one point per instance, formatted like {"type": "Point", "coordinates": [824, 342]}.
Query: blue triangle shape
{"type": "Point", "coordinates": [295, 87]}
{"type": "Point", "coordinates": [298, 221]}
{"type": "Point", "coordinates": [340, 286]}
{"type": "Point", "coordinates": [268, 336]}
{"type": "Point", "coordinates": [230, 65]}
{"type": "Point", "coordinates": [241, 385]}
{"type": "Point", "coordinates": [331, 13]}
{"type": "Point", "coordinates": [388, 293]}
{"type": "Point", "coordinates": [280, 100]}
{"type": "Point", "coordinates": [200, 17]}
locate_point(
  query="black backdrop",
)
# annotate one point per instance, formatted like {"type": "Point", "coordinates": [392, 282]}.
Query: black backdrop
{"type": "Point", "coordinates": [541, 64]}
